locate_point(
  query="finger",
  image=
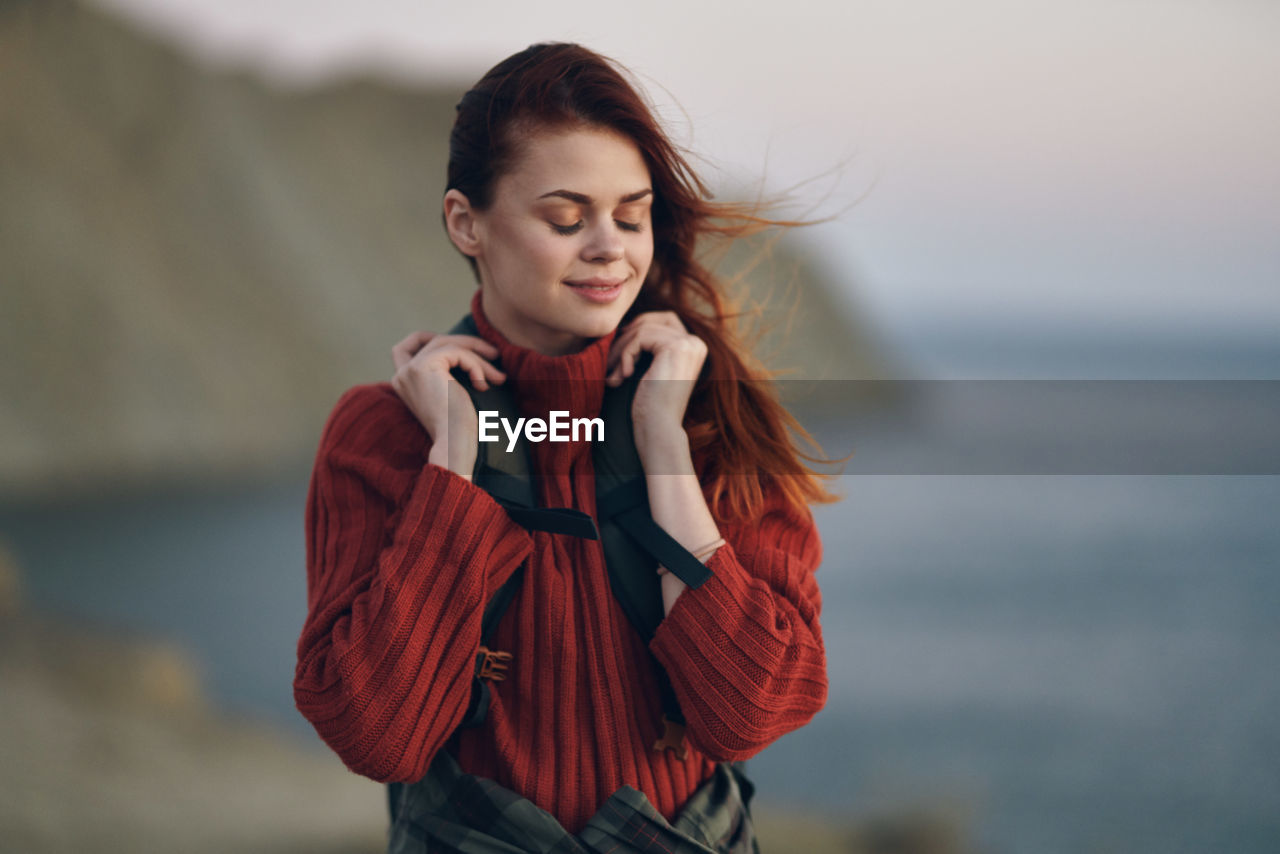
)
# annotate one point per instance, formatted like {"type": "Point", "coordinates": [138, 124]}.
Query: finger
{"type": "Point", "coordinates": [666, 319]}
{"type": "Point", "coordinates": [475, 343]}
{"type": "Point", "coordinates": [627, 361]}
{"type": "Point", "coordinates": [615, 352]}
{"type": "Point", "coordinates": [453, 348]}
{"type": "Point", "coordinates": [470, 342]}
{"type": "Point", "coordinates": [641, 339]}
{"type": "Point", "coordinates": [621, 342]}
{"type": "Point", "coordinates": [670, 318]}
{"type": "Point", "coordinates": [491, 374]}
{"type": "Point", "coordinates": [403, 351]}
{"type": "Point", "coordinates": [613, 366]}
{"type": "Point", "coordinates": [475, 368]}
{"type": "Point", "coordinates": [445, 359]}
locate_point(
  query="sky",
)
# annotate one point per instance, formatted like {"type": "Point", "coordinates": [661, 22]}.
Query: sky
{"type": "Point", "coordinates": [1100, 164]}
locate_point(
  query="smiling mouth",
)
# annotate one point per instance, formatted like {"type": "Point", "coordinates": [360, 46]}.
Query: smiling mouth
{"type": "Point", "coordinates": [594, 284]}
{"type": "Point", "coordinates": [594, 291]}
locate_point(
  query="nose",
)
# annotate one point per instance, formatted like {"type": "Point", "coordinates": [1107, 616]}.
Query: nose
{"type": "Point", "coordinates": [605, 243]}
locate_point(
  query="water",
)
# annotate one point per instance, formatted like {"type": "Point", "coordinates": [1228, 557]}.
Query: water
{"type": "Point", "coordinates": [221, 572]}
{"type": "Point", "coordinates": [1080, 663]}
{"type": "Point", "coordinates": [1076, 663]}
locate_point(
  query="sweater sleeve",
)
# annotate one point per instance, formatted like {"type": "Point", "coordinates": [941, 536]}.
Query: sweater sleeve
{"type": "Point", "coordinates": [401, 557]}
{"type": "Point", "coordinates": [744, 650]}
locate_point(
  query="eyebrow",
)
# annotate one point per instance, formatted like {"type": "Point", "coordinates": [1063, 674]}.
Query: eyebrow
{"type": "Point", "coordinates": [583, 199]}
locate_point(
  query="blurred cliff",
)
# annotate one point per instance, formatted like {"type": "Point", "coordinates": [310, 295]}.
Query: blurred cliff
{"type": "Point", "coordinates": [195, 265]}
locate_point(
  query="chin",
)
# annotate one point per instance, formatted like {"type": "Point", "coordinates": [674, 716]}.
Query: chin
{"type": "Point", "coordinates": [597, 330]}
{"type": "Point", "coordinates": [597, 327]}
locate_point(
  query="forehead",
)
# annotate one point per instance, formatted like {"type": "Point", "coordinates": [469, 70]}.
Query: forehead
{"type": "Point", "coordinates": [599, 163]}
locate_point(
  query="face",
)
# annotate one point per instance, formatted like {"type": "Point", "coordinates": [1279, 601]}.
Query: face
{"type": "Point", "coordinates": [567, 242]}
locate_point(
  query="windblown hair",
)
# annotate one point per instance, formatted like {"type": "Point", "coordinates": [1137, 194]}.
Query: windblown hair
{"type": "Point", "coordinates": [734, 405]}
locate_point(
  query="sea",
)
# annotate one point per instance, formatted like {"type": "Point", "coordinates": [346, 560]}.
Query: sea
{"type": "Point", "coordinates": [1056, 651]}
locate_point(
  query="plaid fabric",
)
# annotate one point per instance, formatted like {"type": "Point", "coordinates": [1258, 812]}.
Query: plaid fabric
{"type": "Point", "coordinates": [451, 811]}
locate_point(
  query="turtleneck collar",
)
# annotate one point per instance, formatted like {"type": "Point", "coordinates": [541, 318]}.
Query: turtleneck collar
{"type": "Point", "coordinates": [541, 383]}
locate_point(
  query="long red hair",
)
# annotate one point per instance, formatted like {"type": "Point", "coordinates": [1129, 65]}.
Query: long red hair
{"type": "Point", "coordinates": [735, 406]}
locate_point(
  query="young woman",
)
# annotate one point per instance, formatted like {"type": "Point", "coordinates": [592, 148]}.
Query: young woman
{"type": "Point", "coordinates": [580, 220]}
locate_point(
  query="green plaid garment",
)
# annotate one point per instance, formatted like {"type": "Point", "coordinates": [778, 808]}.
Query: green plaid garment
{"type": "Point", "coordinates": [451, 811]}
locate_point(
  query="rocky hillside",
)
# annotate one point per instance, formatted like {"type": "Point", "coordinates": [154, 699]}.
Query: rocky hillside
{"type": "Point", "coordinates": [194, 265]}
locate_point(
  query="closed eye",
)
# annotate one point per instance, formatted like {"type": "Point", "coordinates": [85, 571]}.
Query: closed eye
{"type": "Point", "coordinates": [577, 226]}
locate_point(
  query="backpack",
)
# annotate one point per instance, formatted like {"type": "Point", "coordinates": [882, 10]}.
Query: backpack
{"type": "Point", "coordinates": [633, 543]}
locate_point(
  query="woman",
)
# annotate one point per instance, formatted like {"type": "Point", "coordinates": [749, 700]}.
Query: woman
{"type": "Point", "coordinates": [579, 219]}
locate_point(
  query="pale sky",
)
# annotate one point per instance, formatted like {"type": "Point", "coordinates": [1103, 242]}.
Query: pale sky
{"type": "Point", "coordinates": [1090, 162]}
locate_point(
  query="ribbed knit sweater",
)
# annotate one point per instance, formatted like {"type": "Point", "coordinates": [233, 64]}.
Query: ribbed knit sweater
{"type": "Point", "coordinates": [402, 556]}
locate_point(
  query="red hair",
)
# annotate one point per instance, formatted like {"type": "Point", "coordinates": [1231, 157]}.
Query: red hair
{"type": "Point", "coordinates": [735, 406]}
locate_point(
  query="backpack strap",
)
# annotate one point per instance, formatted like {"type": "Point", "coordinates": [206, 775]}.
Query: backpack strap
{"type": "Point", "coordinates": [621, 495]}
{"type": "Point", "coordinates": [491, 664]}
{"type": "Point", "coordinates": [633, 543]}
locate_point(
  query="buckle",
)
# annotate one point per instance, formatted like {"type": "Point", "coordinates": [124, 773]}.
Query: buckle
{"type": "Point", "coordinates": [492, 664]}
{"type": "Point", "coordinates": [672, 739]}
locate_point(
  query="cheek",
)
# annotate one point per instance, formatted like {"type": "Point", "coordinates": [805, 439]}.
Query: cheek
{"type": "Point", "coordinates": [552, 254]}
{"type": "Point", "coordinates": [642, 255]}
{"type": "Point", "coordinates": [532, 252]}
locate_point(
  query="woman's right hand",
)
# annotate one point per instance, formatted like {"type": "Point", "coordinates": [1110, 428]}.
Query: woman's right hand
{"type": "Point", "coordinates": [423, 361]}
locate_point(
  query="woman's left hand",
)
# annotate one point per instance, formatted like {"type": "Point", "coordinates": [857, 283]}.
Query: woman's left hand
{"type": "Point", "coordinates": [663, 392]}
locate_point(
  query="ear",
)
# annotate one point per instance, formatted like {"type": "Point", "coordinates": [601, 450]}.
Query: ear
{"type": "Point", "coordinates": [460, 222]}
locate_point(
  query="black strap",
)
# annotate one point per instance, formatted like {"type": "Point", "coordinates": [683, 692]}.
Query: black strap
{"type": "Point", "coordinates": [498, 605]}
{"type": "Point", "coordinates": [628, 505]}
{"type": "Point", "coordinates": [478, 707]}
{"type": "Point", "coordinates": [555, 520]}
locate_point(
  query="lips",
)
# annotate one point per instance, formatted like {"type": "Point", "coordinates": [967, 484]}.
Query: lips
{"type": "Point", "coordinates": [596, 282]}
{"type": "Point", "coordinates": [597, 289]}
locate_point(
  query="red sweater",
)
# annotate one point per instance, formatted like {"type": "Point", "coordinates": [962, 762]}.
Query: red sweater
{"type": "Point", "coordinates": [402, 555]}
